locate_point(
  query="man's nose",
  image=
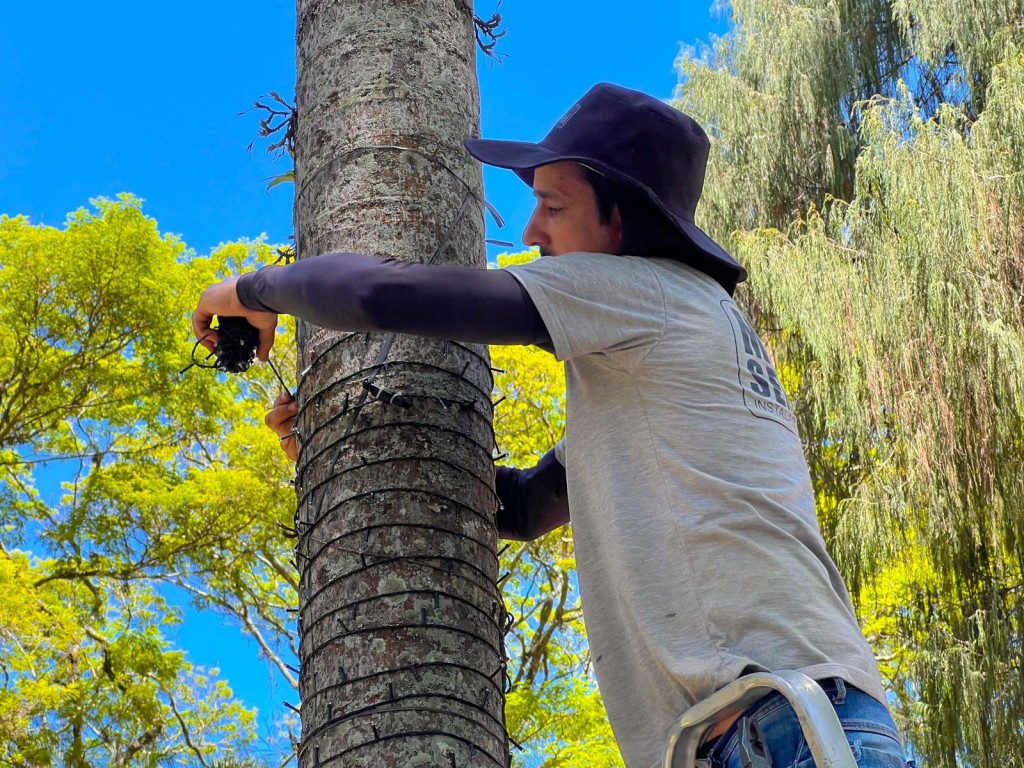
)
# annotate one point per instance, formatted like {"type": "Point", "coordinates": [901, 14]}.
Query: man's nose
{"type": "Point", "coordinates": [533, 235]}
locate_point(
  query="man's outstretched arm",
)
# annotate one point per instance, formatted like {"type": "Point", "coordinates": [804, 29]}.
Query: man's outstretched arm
{"type": "Point", "coordinates": [354, 292]}
{"type": "Point", "coordinates": [362, 293]}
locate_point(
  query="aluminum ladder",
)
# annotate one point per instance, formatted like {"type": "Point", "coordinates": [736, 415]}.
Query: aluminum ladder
{"type": "Point", "coordinates": [814, 710]}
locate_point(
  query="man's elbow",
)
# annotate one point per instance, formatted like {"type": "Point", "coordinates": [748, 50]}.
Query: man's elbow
{"type": "Point", "coordinates": [531, 528]}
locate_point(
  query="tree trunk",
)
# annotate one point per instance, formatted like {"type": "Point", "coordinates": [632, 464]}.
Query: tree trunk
{"type": "Point", "coordinates": [400, 617]}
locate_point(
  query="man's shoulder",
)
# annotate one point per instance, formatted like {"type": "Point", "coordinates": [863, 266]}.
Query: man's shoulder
{"type": "Point", "coordinates": [620, 278]}
{"type": "Point", "coordinates": [585, 262]}
{"type": "Point", "coordinates": [575, 257]}
{"type": "Point", "coordinates": [597, 275]}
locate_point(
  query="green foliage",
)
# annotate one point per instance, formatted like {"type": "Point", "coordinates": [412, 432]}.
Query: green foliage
{"type": "Point", "coordinates": [872, 184]}
{"type": "Point", "coordinates": [167, 480]}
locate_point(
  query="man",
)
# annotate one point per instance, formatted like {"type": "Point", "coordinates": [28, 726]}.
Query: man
{"type": "Point", "coordinates": [698, 551]}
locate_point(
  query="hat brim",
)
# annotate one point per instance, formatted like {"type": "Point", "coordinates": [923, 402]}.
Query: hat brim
{"type": "Point", "coordinates": [710, 247]}
{"type": "Point", "coordinates": [523, 158]}
{"type": "Point", "coordinates": [515, 155]}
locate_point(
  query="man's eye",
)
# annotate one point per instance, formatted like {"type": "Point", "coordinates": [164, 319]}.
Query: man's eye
{"type": "Point", "coordinates": [553, 211]}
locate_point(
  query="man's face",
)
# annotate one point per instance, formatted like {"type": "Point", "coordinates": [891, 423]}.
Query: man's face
{"type": "Point", "coordinates": [566, 219]}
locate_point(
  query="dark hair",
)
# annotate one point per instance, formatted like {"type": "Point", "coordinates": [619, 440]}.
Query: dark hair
{"type": "Point", "coordinates": [603, 191]}
{"type": "Point", "coordinates": [646, 231]}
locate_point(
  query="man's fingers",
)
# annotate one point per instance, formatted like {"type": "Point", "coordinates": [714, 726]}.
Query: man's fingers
{"type": "Point", "coordinates": [201, 328]}
{"type": "Point", "coordinates": [290, 446]}
{"type": "Point", "coordinates": [281, 419]}
{"type": "Point", "coordinates": [209, 340]}
{"type": "Point", "coordinates": [266, 342]}
{"type": "Point", "coordinates": [218, 299]}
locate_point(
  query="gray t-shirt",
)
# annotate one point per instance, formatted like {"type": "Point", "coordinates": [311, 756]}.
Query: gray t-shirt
{"type": "Point", "coordinates": [698, 550]}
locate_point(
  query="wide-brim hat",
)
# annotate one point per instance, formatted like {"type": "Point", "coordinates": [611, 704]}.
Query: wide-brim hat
{"type": "Point", "coordinates": [633, 140]}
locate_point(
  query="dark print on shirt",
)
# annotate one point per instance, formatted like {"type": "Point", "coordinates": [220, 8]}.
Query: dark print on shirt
{"type": "Point", "coordinates": [762, 392]}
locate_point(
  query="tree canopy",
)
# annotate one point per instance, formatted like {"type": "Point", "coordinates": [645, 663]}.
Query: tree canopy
{"type": "Point", "coordinates": [163, 486]}
{"type": "Point", "coordinates": [867, 168]}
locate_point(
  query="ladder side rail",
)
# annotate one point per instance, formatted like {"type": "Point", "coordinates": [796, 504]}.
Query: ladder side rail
{"type": "Point", "coordinates": [814, 710]}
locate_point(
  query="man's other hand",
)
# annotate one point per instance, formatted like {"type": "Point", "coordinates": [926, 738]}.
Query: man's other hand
{"type": "Point", "coordinates": [281, 419]}
{"type": "Point", "coordinates": [221, 300]}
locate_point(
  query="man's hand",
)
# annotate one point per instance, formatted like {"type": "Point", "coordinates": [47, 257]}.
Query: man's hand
{"type": "Point", "coordinates": [281, 419]}
{"type": "Point", "coordinates": [222, 300]}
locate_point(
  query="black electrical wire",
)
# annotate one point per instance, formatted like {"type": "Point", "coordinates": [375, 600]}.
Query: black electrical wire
{"type": "Point", "coordinates": [237, 340]}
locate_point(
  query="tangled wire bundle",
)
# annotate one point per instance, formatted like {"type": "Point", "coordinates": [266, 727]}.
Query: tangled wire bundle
{"type": "Point", "coordinates": [236, 345]}
{"type": "Point", "coordinates": [236, 348]}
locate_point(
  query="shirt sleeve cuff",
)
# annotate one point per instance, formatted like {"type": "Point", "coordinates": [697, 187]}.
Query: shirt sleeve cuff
{"type": "Point", "coordinates": [248, 288]}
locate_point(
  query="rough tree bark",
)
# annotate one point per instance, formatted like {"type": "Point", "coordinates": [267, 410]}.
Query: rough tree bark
{"type": "Point", "coordinates": [401, 648]}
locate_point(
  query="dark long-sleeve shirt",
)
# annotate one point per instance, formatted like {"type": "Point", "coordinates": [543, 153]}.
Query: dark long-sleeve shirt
{"type": "Point", "coordinates": [354, 292]}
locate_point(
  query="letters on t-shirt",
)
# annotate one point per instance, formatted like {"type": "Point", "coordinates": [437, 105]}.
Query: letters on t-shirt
{"type": "Point", "coordinates": [762, 393]}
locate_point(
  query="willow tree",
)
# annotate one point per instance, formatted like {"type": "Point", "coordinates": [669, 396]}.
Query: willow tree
{"type": "Point", "coordinates": [867, 168]}
{"type": "Point", "coordinates": [399, 614]}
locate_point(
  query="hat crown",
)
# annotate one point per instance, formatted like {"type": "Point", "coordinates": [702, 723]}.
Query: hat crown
{"type": "Point", "coordinates": [636, 140]}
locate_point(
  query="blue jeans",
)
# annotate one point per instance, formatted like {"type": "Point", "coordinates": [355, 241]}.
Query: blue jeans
{"type": "Point", "coordinates": [771, 721]}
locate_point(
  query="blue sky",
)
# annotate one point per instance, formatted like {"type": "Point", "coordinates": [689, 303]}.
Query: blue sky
{"type": "Point", "coordinates": [102, 98]}
{"type": "Point", "coordinates": [97, 99]}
